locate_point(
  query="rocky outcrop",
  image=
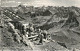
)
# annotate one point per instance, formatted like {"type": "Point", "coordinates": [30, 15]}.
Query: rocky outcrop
{"type": "Point", "coordinates": [71, 21]}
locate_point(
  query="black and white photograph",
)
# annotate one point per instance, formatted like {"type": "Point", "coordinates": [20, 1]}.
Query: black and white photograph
{"type": "Point", "coordinates": [39, 25]}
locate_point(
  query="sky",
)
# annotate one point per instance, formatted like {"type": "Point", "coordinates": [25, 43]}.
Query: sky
{"type": "Point", "coordinates": [0, 2]}
{"type": "Point", "coordinates": [41, 2]}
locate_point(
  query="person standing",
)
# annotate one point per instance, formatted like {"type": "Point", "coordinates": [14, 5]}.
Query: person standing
{"type": "Point", "coordinates": [40, 36]}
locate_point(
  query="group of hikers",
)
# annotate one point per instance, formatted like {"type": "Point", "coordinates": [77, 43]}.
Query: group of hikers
{"type": "Point", "coordinates": [34, 33]}
{"type": "Point", "coordinates": [29, 32]}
